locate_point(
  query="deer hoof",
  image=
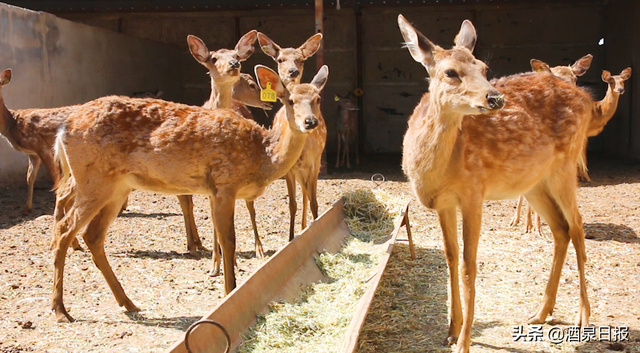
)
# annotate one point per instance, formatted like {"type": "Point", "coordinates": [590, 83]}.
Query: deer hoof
{"type": "Point", "coordinates": [449, 341]}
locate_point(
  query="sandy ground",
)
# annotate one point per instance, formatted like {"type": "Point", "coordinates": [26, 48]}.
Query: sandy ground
{"type": "Point", "coordinates": [147, 250]}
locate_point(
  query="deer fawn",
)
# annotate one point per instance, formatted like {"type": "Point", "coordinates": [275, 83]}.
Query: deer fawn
{"type": "Point", "coordinates": [176, 149]}
{"type": "Point", "coordinates": [570, 74]}
{"type": "Point", "coordinates": [305, 171]}
{"type": "Point", "coordinates": [346, 127]}
{"type": "Point", "coordinates": [529, 147]}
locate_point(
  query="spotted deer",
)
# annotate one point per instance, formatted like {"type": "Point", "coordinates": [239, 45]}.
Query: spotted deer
{"type": "Point", "coordinates": [306, 170]}
{"type": "Point", "coordinates": [570, 74]}
{"type": "Point", "coordinates": [469, 140]}
{"type": "Point", "coordinates": [171, 148]}
{"type": "Point", "coordinates": [346, 127]}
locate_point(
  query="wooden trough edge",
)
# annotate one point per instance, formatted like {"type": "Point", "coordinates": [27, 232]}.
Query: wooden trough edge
{"type": "Point", "coordinates": [280, 279]}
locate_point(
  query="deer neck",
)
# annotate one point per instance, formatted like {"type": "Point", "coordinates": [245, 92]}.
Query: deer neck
{"type": "Point", "coordinates": [284, 143]}
{"type": "Point", "coordinates": [608, 104]}
{"type": "Point", "coordinates": [221, 95]}
{"type": "Point", "coordinates": [429, 143]}
{"type": "Point", "coordinates": [7, 120]}
{"type": "Point", "coordinates": [603, 112]}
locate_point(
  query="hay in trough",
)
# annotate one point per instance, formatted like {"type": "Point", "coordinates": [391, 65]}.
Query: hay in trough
{"type": "Point", "coordinates": [317, 321]}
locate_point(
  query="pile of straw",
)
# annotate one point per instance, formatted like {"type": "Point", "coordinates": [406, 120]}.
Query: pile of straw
{"type": "Point", "coordinates": [318, 319]}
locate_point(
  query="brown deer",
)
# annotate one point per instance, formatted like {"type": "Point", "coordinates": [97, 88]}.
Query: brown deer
{"type": "Point", "coordinates": [346, 127]}
{"type": "Point", "coordinates": [113, 144]}
{"type": "Point", "coordinates": [306, 170]}
{"type": "Point", "coordinates": [570, 74]}
{"type": "Point", "coordinates": [461, 148]}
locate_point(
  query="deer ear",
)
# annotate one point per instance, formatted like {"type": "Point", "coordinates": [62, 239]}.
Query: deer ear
{"type": "Point", "coordinates": [320, 79]}
{"type": "Point", "coordinates": [581, 66]}
{"type": "Point", "coordinates": [265, 75]}
{"type": "Point", "coordinates": [311, 46]}
{"type": "Point", "coordinates": [606, 76]}
{"type": "Point", "coordinates": [625, 74]}
{"type": "Point", "coordinates": [5, 77]}
{"type": "Point", "coordinates": [245, 44]}
{"type": "Point", "coordinates": [539, 66]}
{"type": "Point", "coordinates": [467, 36]}
{"type": "Point", "coordinates": [268, 46]}
{"type": "Point", "coordinates": [420, 48]}
{"type": "Point", "coordinates": [198, 49]}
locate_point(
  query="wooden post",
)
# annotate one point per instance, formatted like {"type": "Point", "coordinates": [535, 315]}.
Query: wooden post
{"type": "Point", "coordinates": [319, 11]}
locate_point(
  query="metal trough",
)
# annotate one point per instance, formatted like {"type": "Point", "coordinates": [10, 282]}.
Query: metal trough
{"type": "Point", "coordinates": [280, 279]}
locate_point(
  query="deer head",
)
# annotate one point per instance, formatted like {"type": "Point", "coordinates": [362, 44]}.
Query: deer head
{"type": "Point", "coordinates": [347, 102]}
{"type": "Point", "coordinates": [290, 60]}
{"type": "Point", "coordinates": [616, 83]}
{"type": "Point", "coordinates": [568, 73]}
{"type": "Point", "coordinates": [302, 103]}
{"type": "Point", "coordinates": [224, 64]}
{"type": "Point", "coordinates": [458, 80]}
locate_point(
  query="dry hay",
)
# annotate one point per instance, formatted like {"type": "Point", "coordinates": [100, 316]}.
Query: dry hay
{"type": "Point", "coordinates": [318, 319]}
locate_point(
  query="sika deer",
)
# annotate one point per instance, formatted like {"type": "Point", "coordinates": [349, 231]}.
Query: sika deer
{"type": "Point", "coordinates": [113, 144]}
{"type": "Point", "coordinates": [461, 148]}
{"type": "Point", "coordinates": [347, 125]}
{"type": "Point", "coordinates": [570, 74]}
{"type": "Point", "coordinates": [306, 170]}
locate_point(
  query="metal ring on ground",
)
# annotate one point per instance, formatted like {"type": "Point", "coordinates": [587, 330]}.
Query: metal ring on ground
{"type": "Point", "coordinates": [219, 325]}
{"type": "Point", "coordinates": [378, 179]}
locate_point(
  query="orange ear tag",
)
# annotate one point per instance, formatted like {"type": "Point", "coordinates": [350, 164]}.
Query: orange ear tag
{"type": "Point", "coordinates": [268, 94]}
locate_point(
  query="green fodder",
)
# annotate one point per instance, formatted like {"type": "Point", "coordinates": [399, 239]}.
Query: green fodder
{"type": "Point", "coordinates": [318, 319]}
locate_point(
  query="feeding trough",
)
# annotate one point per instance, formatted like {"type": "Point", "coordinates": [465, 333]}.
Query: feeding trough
{"type": "Point", "coordinates": [281, 278]}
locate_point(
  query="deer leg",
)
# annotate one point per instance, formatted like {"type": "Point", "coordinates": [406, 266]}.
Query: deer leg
{"type": "Point", "coordinates": [124, 206]}
{"type": "Point", "coordinates": [346, 141]}
{"type": "Point", "coordinates": [94, 236]}
{"type": "Point", "coordinates": [516, 217]}
{"type": "Point", "coordinates": [256, 237]}
{"type": "Point", "coordinates": [447, 218]}
{"type": "Point", "coordinates": [356, 146]}
{"type": "Point", "coordinates": [65, 196]}
{"type": "Point", "coordinates": [65, 230]}
{"type": "Point", "coordinates": [222, 211]}
{"type": "Point", "coordinates": [293, 206]}
{"type": "Point", "coordinates": [305, 203]}
{"type": "Point", "coordinates": [338, 153]}
{"type": "Point", "coordinates": [527, 223]}
{"type": "Point", "coordinates": [193, 239]}
{"type": "Point", "coordinates": [313, 193]}
{"type": "Point", "coordinates": [565, 197]}
{"type": "Point", "coordinates": [546, 206]}
{"type": "Point", "coordinates": [32, 173]}
{"type": "Point", "coordinates": [583, 172]}
{"type": "Point", "coordinates": [471, 224]}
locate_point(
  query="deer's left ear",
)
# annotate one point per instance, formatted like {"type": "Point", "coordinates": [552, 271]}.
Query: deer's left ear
{"type": "Point", "coordinates": [5, 77]}
{"type": "Point", "coordinates": [467, 36]}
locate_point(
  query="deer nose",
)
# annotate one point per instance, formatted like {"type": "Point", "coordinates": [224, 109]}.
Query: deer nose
{"type": "Point", "coordinates": [234, 64]}
{"type": "Point", "coordinates": [294, 72]}
{"type": "Point", "coordinates": [620, 90]}
{"type": "Point", "coordinates": [495, 100]}
{"type": "Point", "coordinates": [310, 123]}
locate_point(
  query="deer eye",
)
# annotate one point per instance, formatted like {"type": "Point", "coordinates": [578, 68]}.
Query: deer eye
{"type": "Point", "coordinates": [451, 73]}
{"type": "Point", "coordinates": [291, 102]}
{"type": "Point", "coordinates": [280, 61]}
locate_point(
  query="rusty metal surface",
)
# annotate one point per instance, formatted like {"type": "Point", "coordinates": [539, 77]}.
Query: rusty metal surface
{"type": "Point", "coordinates": [277, 279]}
{"type": "Point", "coordinates": [353, 331]}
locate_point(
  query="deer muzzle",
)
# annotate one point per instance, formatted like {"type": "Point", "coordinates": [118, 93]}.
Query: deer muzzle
{"type": "Point", "coordinates": [495, 101]}
{"type": "Point", "coordinates": [310, 123]}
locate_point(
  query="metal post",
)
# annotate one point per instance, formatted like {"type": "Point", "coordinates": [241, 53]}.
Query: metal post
{"type": "Point", "coordinates": [319, 11]}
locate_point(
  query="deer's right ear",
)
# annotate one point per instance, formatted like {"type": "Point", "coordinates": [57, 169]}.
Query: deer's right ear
{"type": "Point", "coordinates": [539, 66]}
{"type": "Point", "coordinates": [626, 74]}
{"type": "Point", "coordinates": [320, 79]}
{"type": "Point", "coordinates": [198, 49]}
{"type": "Point", "coordinates": [5, 77]}
{"type": "Point", "coordinates": [581, 65]}
{"type": "Point", "coordinates": [420, 48]}
{"type": "Point", "coordinates": [606, 76]}
{"type": "Point", "coordinates": [265, 75]}
{"type": "Point", "coordinates": [268, 46]}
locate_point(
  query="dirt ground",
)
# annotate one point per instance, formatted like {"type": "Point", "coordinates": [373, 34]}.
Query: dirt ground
{"type": "Point", "coordinates": [147, 249]}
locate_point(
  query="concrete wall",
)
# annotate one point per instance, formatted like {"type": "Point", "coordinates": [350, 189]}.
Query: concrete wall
{"type": "Point", "coordinates": [509, 36]}
{"type": "Point", "coordinates": [56, 62]}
